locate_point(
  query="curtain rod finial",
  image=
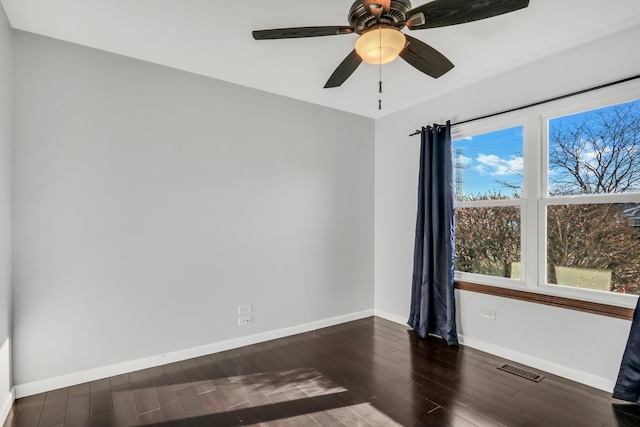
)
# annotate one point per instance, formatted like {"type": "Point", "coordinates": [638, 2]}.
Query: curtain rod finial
{"type": "Point", "coordinates": [417, 132]}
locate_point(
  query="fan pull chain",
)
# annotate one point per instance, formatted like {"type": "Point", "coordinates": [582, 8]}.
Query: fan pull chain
{"type": "Point", "coordinates": [380, 73]}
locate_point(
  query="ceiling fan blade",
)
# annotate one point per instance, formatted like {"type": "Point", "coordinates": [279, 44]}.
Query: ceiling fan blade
{"type": "Point", "coordinates": [425, 58]}
{"type": "Point", "coordinates": [344, 70]}
{"type": "Point", "coordinates": [299, 32]}
{"type": "Point", "coordinates": [441, 13]}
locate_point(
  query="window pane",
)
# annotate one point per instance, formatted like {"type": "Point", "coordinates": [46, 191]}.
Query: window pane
{"type": "Point", "coordinates": [595, 152]}
{"type": "Point", "coordinates": [594, 246]}
{"type": "Point", "coordinates": [490, 165]}
{"type": "Point", "coordinates": [488, 241]}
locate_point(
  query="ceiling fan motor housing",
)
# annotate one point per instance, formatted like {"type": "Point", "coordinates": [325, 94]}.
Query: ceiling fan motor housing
{"type": "Point", "coordinates": [362, 19]}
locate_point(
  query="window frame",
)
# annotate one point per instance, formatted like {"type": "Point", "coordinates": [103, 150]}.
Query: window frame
{"type": "Point", "coordinates": [535, 200]}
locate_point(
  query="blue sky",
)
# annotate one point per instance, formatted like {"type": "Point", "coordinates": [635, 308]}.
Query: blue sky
{"type": "Point", "coordinates": [599, 143]}
{"type": "Point", "coordinates": [488, 158]}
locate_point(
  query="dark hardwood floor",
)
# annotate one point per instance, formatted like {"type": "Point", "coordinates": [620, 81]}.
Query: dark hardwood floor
{"type": "Point", "coordinates": [369, 372]}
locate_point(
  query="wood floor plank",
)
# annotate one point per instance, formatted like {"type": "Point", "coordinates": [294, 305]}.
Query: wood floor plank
{"type": "Point", "coordinates": [144, 395]}
{"type": "Point", "coordinates": [397, 411]}
{"type": "Point", "coordinates": [274, 348]}
{"type": "Point", "coordinates": [176, 376]}
{"type": "Point", "coordinates": [241, 362]}
{"type": "Point", "coordinates": [318, 409]}
{"type": "Point", "coordinates": [297, 409]}
{"type": "Point", "coordinates": [230, 370]}
{"type": "Point", "coordinates": [442, 416]}
{"type": "Point", "coordinates": [120, 380]}
{"type": "Point", "coordinates": [479, 412]}
{"type": "Point", "coordinates": [171, 410]}
{"type": "Point", "coordinates": [197, 377]}
{"type": "Point", "coordinates": [345, 414]}
{"type": "Point", "coordinates": [153, 418]}
{"type": "Point", "coordinates": [203, 410]}
{"type": "Point", "coordinates": [409, 394]}
{"type": "Point", "coordinates": [210, 369]}
{"type": "Point", "coordinates": [78, 406]}
{"type": "Point", "coordinates": [102, 419]}
{"type": "Point", "coordinates": [155, 371]}
{"type": "Point", "coordinates": [626, 415]}
{"type": "Point", "coordinates": [11, 417]}
{"type": "Point", "coordinates": [545, 391]}
{"type": "Point", "coordinates": [552, 413]}
{"type": "Point", "coordinates": [55, 408]}
{"type": "Point", "coordinates": [124, 406]}
{"type": "Point", "coordinates": [260, 407]}
{"type": "Point", "coordinates": [222, 413]}
{"type": "Point", "coordinates": [30, 410]}
{"type": "Point", "coordinates": [500, 407]}
{"type": "Point", "coordinates": [101, 396]}
{"type": "Point", "coordinates": [193, 371]}
{"type": "Point", "coordinates": [530, 420]}
{"type": "Point", "coordinates": [191, 402]}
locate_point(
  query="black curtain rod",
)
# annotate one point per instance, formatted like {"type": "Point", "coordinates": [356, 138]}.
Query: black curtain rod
{"type": "Point", "coordinates": [557, 98]}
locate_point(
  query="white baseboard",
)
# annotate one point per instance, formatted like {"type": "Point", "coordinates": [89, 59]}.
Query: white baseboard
{"type": "Point", "coordinates": [6, 406]}
{"type": "Point", "coordinates": [29, 389]}
{"type": "Point", "coordinates": [332, 321]}
{"type": "Point", "coordinates": [525, 359]}
{"type": "Point", "coordinates": [392, 317]}
{"type": "Point", "coordinates": [536, 363]}
{"type": "Point", "coordinates": [7, 400]}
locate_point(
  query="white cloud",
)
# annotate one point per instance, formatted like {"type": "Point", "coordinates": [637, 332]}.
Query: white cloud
{"type": "Point", "coordinates": [463, 160]}
{"type": "Point", "coordinates": [494, 165]}
{"type": "Point", "coordinates": [480, 169]}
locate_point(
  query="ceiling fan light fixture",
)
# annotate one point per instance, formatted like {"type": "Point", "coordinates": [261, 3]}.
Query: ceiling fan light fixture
{"type": "Point", "coordinates": [380, 45]}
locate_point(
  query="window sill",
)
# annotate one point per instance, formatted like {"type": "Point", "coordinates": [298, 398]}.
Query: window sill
{"type": "Point", "coordinates": [568, 303]}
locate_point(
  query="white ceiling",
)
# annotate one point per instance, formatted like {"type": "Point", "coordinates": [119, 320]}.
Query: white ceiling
{"type": "Point", "coordinates": [213, 38]}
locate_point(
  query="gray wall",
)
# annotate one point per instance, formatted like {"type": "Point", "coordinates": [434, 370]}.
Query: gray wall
{"type": "Point", "coordinates": [5, 204]}
{"type": "Point", "coordinates": [5, 172]}
{"type": "Point", "coordinates": [150, 202]}
{"type": "Point", "coordinates": [584, 347]}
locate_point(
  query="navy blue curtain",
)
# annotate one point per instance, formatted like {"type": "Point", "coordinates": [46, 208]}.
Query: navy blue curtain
{"type": "Point", "coordinates": [433, 308]}
{"type": "Point", "coordinates": [628, 383]}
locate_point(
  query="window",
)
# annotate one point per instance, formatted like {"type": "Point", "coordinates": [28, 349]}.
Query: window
{"type": "Point", "coordinates": [593, 184]}
{"type": "Point", "coordinates": [489, 174]}
{"type": "Point", "coordinates": [548, 198]}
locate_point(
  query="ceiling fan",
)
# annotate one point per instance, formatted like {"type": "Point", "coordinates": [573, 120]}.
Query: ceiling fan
{"type": "Point", "coordinates": [378, 23]}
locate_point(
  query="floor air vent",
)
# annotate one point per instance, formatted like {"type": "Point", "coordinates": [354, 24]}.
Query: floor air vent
{"type": "Point", "coordinates": [521, 373]}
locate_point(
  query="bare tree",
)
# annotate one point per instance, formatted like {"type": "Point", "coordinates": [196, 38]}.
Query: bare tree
{"type": "Point", "coordinates": [488, 239]}
{"type": "Point", "coordinates": [600, 154]}
{"type": "Point", "coordinates": [594, 237]}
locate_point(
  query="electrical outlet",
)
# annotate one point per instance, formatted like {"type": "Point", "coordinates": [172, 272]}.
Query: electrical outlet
{"type": "Point", "coordinates": [244, 309]}
{"type": "Point", "coordinates": [244, 320]}
{"type": "Point", "coordinates": [488, 313]}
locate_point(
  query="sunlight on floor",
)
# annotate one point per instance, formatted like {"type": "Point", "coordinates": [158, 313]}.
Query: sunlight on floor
{"type": "Point", "coordinates": [292, 394]}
